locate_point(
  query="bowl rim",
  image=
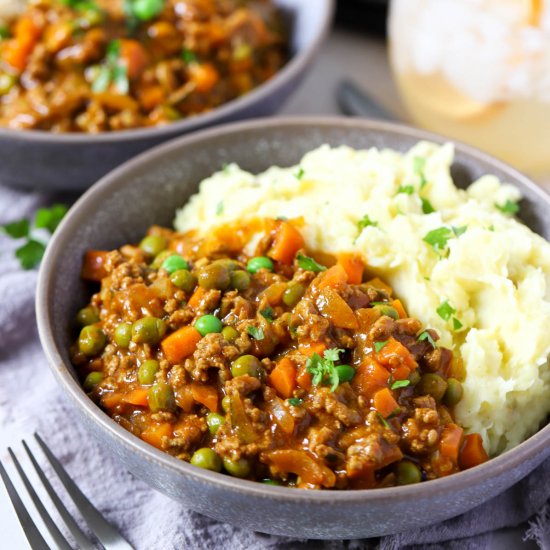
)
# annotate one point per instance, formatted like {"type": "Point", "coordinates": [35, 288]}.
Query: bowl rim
{"type": "Point", "coordinates": [93, 197]}
{"type": "Point", "coordinates": [296, 65]}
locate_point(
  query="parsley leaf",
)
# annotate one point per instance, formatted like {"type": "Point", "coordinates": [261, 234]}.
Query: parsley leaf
{"type": "Point", "coordinates": [295, 401]}
{"type": "Point", "coordinates": [427, 207]}
{"type": "Point", "coordinates": [4, 32]}
{"type": "Point", "coordinates": [323, 368]}
{"type": "Point", "coordinates": [399, 384]}
{"type": "Point", "coordinates": [457, 325]}
{"type": "Point", "coordinates": [50, 218]}
{"type": "Point", "coordinates": [509, 207]}
{"type": "Point", "coordinates": [17, 229]}
{"type": "Point", "coordinates": [188, 56]}
{"type": "Point", "coordinates": [30, 254]}
{"type": "Point", "coordinates": [300, 173]}
{"type": "Point", "coordinates": [112, 71]}
{"type": "Point", "coordinates": [309, 264]}
{"type": "Point", "coordinates": [407, 189]}
{"type": "Point", "coordinates": [437, 238]}
{"type": "Point", "coordinates": [383, 421]}
{"type": "Point", "coordinates": [256, 332]}
{"type": "Point", "coordinates": [427, 336]}
{"type": "Point", "coordinates": [459, 230]}
{"type": "Point", "coordinates": [379, 345]}
{"type": "Point", "coordinates": [445, 310]}
{"type": "Point", "coordinates": [418, 167]}
{"type": "Point", "coordinates": [365, 221]}
{"type": "Point", "coordinates": [267, 313]}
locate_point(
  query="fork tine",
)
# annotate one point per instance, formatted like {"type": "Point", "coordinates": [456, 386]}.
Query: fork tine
{"type": "Point", "coordinates": [33, 535]}
{"type": "Point", "coordinates": [104, 531]}
{"type": "Point", "coordinates": [56, 534]}
{"type": "Point", "coordinates": [77, 533]}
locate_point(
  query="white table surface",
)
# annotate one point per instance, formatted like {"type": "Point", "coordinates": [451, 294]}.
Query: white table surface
{"type": "Point", "coordinates": [345, 55]}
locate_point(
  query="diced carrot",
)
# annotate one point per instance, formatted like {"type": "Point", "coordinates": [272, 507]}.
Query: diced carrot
{"type": "Point", "coordinates": [151, 96]}
{"type": "Point", "coordinates": [93, 266]}
{"type": "Point", "coordinates": [283, 377]}
{"type": "Point", "coordinates": [197, 297]}
{"type": "Point", "coordinates": [353, 265]}
{"type": "Point", "coordinates": [204, 76]}
{"type": "Point", "coordinates": [134, 57]}
{"type": "Point", "coordinates": [401, 373]}
{"type": "Point", "coordinates": [451, 439]}
{"type": "Point", "coordinates": [205, 395]}
{"type": "Point", "coordinates": [288, 240]}
{"type": "Point", "coordinates": [111, 400]}
{"type": "Point", "coordinates": [304, 378]}
{"type": "Point", "coordinates": [380, 285]}
{"type": "Point", "coordinates": [303, 465]}
{"type": "Point", "coordinates": [472, 452]}
{"type": "Point", "coordinates": [311, 348]}
{"type": "Point", "coordinates": [336, 309]}
{"type": "Point", "coordinates": [18, 49]}
{"type": "Point", "coordinates": [398, 306]}
{"type": "Point", "coordinates": [366, 317]}
{"type": "Point", "coordinates": [370, 377]}
{"type": "Point", "coordinates": [333, 277]}
{"type": "Point", "coordinates": [394, 354]}
{"type": "Point", "coordinates": [384, 402]}
{"type": "Point", "coordinates": [155, 433]}
{"type": "Point", "coordinates": [138, 396]}
{"type": "Point", "coordinates": [180, 344]}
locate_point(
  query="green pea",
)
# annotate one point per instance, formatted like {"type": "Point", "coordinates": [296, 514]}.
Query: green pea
{"type": "Point", "coordinates": [148, 330]}
{"type": "Point", "coordinates": [159, 258]}
{"type": "Point", "coordinates": [237, 468]}
{"type": "Point", "coordinates": [454, 392]}
{"type": "Point", "coordinates": [407, 472]}
{"type": "Point", "coordinates": [271, 482]}
{"type": "Point", "coordinates": [208, 324]}
{"type": "Point", "coordinates": [147, 9]}
{"type": "Point", "coordinates": [184, 280]}
{"type": "Point", "coordinates": [92, 380]}
{"type": "Point", "coordinates": [215, 421]}
{"type": "Point", "coordinates": [7, 82]}
{"type": "Point", "coordinates": [229, 264]}
{"type": "Point", "coordinates": [208, 459]}
{"type": "Point", "coordinates": [147, 371]}
{"type": "Point", "coordinates": [345, 373]}
{"type": "Point", "coordinates": [161, 397]}
{"type": "Point", "coordinates": [293, 294]}
{"type": "Point", "coordinates": [240, 279]}
{"type": "Point", "coordinates": [387, 310]}
{"type": "Point", "coordinates": [230, 334]}
{"type": "Point", "coordinates": [432, 384]}
{"type": "Point", "coordinates": [153, 244]}
{"type": "Point", "coordinates": [123, 335]}
{"type": "Point", "coordinates": [214, 276]}
{"type": "Point", "coordinates": [174, 263]}
{"type": "Point", "coordinates": [259, 262]}
{"type": "Point", "coordinates": [87, 316]}
{"type": "Point", "coordinates": [226, 403]}
{"type": "Point", "coordinates": [92, 340]}
{"type": "Point", "coordinates": [246, 364]}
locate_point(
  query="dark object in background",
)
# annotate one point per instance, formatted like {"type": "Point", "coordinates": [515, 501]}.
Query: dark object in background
{"type": "Point", "coordinates": [364, 15]}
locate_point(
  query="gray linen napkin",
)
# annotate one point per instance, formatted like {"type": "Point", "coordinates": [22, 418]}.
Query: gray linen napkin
{"type": "Point", "coordinates": [31, 401]}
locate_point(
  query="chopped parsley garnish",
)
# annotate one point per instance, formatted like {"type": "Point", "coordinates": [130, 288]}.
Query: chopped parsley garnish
{"type": "Point", "coordinates": [438, 238]}
{"type": "Point", "coordinates": [141, 10]}
{"type": "Point", "coordinates": [4, 32]}
{"type": "Point", "coordinates": [219, 208]}
{"type": "Point", "coordinates": [407, 189]}
{"type": "Point", "coordinates": [457, 325]}
{"type": "Point", "coordinates": [300, 173]}
{"type": "Point", "coordinates": [256, 332]}
{"type": "Point", "coordinates": [323, 368]}
{"type": "Point", "coordinates": [112, 71]}
{"type": "Point", "coordinates": [81, 5]}
{"type": "Point", "coordinates": [383, 421]}
{"type": "Point", "coordinates": [509, 207]}
{"type": "Point", "coordinates": [379, 345]}
{"type": "Point", "coordinates": [365, 221]}
{"type": "Point", "coordinates": [427, 336]}
{"type": "Point", "coordinates": [427, 207]}
{"type": "Point", "coordinates": [445, 310]}
{"type": "Point", "coordinates": [399, 384]}
{"type": "Point", "coordinates": [295, 401]}
{"type": "Point", "coordinates": [189, 57]}
{"type": "Point", "coordinates": [309, 264]}
{"type": "Point", "coordinates": [31, 251]}
{"type": "Point", "coordinates": [459, 230]}
{"type": "Point", "coordinates": [267, 313]}
{"type": "Point", "coordinates": [418, 167]}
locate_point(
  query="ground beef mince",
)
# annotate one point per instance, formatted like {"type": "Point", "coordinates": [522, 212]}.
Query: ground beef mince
{"type": "Point", "coordinates": [280, 365]}
{"type": "Point", "coordinates": [104, 65]}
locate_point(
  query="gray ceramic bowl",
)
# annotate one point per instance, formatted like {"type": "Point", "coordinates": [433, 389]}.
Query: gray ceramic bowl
{"type": "Point", "coordinates": [43, 160]}
{"type": "Point", "coordinates": [147, 190]}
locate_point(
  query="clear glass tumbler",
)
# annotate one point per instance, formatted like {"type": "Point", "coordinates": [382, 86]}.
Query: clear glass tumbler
{"type": "Point", "coordinates": [478, 71]}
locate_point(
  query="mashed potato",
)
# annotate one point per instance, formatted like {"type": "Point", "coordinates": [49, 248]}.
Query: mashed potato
{"type": "Point", "coordinates": [491, 273]}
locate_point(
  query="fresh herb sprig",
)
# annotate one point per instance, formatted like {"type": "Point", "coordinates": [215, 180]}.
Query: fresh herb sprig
{"type": "Point", "coordinates": [256, 332]}
{"type": "Point", "coordinates": [438, 238]}
{"type": "Point", "coordinates": [446, 311]}
{"type": "Point", "coordinates": [309, 264]}
{"type": "Point", "coordinates": [112, 71]}
{"type": "Point", "coordinates": [324, 369]}
{"type": "Point", "coordinates": [32, 250]}
{"type": "Point", "coordinates": [509, 208]}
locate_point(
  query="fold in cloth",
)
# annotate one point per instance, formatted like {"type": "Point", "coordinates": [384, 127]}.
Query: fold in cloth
{"type": "Point", "coordinates": [31, 401]}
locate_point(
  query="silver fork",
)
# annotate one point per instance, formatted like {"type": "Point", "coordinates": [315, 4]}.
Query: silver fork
{"type": "Point", "coordinates": [109, 537]}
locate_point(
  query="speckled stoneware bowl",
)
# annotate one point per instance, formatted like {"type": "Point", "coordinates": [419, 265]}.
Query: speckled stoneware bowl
{"type": "Point", "coordinates": [147, 190]}
{"type": "Point", "coordinates": [33, 159]}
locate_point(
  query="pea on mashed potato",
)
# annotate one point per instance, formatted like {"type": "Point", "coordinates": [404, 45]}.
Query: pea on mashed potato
{"type": "Point", "coordinates": [458, 260]}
